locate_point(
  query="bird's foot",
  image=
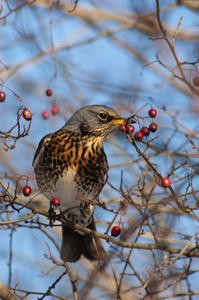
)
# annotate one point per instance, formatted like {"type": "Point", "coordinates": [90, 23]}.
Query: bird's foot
{"type": "Point", "coordinates": [52, 215]}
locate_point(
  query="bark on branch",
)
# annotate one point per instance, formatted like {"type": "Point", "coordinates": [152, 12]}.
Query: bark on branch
{"type": "Point", "coordinates": [5, 293]}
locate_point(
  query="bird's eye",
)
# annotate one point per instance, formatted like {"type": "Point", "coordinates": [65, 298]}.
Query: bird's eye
{"type": "Point", "coordinates": [103, 116]}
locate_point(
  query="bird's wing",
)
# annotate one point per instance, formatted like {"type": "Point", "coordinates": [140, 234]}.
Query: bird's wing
{"type": "Point", "coordinates": [40, 148]}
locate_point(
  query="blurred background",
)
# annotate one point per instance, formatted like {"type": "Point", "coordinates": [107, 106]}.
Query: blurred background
{"type": "Point", "coordinates": [109, 53]}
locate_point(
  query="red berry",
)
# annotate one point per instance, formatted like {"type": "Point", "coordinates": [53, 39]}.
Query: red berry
{"type": "Point", "coordinates": [131, 128]}
{"type": "Point", "coordinates": [27, 190]}
{"type": "Point", "coordinates": [139, 135]}
{"type": "Point", "coordinates": [153, 127]}
{"type": "Point", "coordinates": [27, 114]}
{"type": "Point", "coordinates": [115, 231]}
{"type": "Point", "coordinates": [166, 182]}
{"type": "Point", "coordinates": [145, 131]}
{"type": "Point", "coordinates": [45, 114]}
{"type": "Point", "coordinates": [196, 81]}
{"type": "Point", "coordinates": [55, 202]}
{"type": "Point", "coordinates": [55, 110]}
{"type": "Point", "coordinates": [152, 113]}
{"type": "Point", "coordinates": [122, 128]}
{"type": "Point", "coordinates": [2, 96]}
{"type": "Point", "coordinates": [49, 92]}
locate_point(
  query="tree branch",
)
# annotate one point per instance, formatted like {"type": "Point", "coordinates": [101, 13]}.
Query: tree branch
{"type": "Point", "coordinates": [5, 293]}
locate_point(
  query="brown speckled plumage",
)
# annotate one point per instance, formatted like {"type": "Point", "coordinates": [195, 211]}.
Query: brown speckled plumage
{"type": "Point", "coordinates": [71, 165]}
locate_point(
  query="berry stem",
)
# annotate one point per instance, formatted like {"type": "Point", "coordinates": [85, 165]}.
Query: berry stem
{"type": "Point", "coordinates": [157, 175]}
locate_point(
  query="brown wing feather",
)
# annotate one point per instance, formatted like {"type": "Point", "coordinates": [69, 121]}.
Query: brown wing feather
{"type": "Point", "coordinates": [41, 145]}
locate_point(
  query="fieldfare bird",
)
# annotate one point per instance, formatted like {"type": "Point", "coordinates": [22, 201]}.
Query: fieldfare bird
{"type": "Point", "coordinates": [71, 165]}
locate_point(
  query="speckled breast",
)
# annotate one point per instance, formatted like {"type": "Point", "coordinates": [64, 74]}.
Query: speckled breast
{"type": "Point", "coordinates": [72, 168]}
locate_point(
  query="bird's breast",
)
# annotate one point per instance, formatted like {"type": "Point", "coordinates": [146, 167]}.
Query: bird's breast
{"type": "Point", "coordinates": [71, 166]}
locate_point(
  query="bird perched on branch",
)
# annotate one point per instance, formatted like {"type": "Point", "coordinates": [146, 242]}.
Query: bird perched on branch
{"type": "Point", "coordinates": [71, 164]}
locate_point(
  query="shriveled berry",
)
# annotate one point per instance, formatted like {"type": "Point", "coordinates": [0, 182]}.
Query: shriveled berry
{"type": "Point", "coordinates": [55, 202]}
{"type": "Point", "coordinates": [166, 182]}
{"type": "Point", "coordinates": [55, 110]}
{"type": "Point", "coordinates": [45, 114]}
{"type": "Point", "coordinates": [2, 96]}
{"type": "Point", "coordinates": [145, 131]}
{"type": "Point", "coordinates": [122, 128]}
{"type": "Point", "coordinates": [27, 190]}
{"type": "Point", "coordinates": [152, 113]}
{"type": "Point", "coordinates": [196, 81]}
{"type": "Point", "coordinates": [49, 92]}
{"type": "Point", "coordinates": [153, 127]}
{"type": "Point", "coordinates": [139, 135]}
{"type": "Point", "coordinates": [115, 231]}
{"type": "Point", "coordinates": [27, 114]}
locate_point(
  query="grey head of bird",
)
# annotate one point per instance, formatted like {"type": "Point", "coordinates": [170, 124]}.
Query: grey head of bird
{"type": "Point", "coordinates": [95, 120]}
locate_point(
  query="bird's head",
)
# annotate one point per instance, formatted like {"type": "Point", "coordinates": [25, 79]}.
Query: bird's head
{"type": "Point", "coordinates": [95, 120]}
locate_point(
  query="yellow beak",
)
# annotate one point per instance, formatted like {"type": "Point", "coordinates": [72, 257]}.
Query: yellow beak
{"type": "Point", "coordinates": [118, 121]}
{"type": "Point", "coordinates": [122, 121]}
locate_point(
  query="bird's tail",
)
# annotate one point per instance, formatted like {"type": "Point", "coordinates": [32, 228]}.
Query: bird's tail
{"type": "Point", "coordinates": [75, 244]}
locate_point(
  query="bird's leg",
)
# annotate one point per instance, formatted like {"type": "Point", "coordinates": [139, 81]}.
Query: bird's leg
{"type": "Point", "coordinates": [52, 215]}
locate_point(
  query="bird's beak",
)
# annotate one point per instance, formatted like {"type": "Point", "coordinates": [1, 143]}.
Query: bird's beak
{"type": "Point", "coordinates": [120, 121]}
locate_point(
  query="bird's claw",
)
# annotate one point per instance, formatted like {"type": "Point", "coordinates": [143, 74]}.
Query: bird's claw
{"type": "Point", "coordinates": [52, 216]}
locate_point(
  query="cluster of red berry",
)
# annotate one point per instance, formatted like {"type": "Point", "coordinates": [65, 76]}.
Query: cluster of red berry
{"type": "Point", "coordinates": [144, 131]}
{"type": "Point", "coordinates": [54, 109]}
